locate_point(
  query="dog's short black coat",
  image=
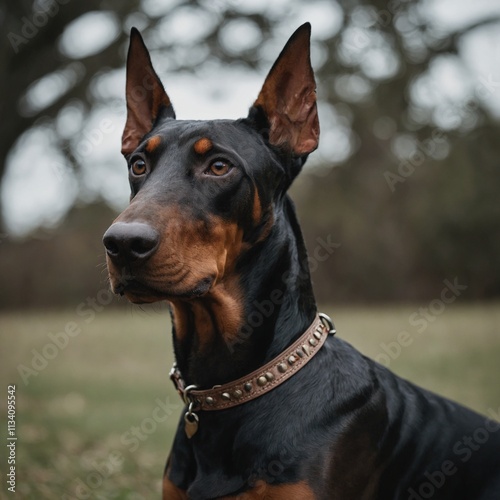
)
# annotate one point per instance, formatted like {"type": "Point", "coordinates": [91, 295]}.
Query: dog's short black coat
{"type": "Point", "coordinates": [211, 229]}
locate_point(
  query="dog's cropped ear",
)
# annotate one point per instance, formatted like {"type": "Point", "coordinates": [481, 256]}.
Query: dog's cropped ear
{"type": "Point", "coordinates": [145, 95]}
{"type": "Point", "coordinates": [288, 97]}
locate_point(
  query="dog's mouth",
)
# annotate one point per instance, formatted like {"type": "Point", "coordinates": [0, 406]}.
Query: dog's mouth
{"type": "Point", "coordinates": [138, 291]}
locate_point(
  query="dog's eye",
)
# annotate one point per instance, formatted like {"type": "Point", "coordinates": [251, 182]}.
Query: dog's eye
{"type": "Point", "coordinates": [138, 167]}
{"type": "Point", "coordinates": [219, 168]}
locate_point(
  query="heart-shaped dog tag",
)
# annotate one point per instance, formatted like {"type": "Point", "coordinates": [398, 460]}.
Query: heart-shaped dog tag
{"type": "Point", "coordinates": [190, 424]}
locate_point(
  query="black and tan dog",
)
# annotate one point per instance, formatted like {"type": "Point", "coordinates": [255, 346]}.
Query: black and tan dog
{"type": "Point", "coordinates": [276, 407]}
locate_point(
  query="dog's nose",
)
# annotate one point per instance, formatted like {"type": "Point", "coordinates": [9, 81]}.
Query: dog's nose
{"type": "Point", "coordinates": [130, 241]}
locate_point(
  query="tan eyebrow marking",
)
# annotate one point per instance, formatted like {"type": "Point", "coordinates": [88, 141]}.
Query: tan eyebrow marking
{"type": "Point", "coordinates": [153, 143]}
{"type": "Point", "coordinates": [203, 146]}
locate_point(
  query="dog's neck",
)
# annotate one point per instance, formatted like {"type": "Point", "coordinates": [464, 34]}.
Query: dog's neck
{"type": "Point", "coordinates": [250, 317]}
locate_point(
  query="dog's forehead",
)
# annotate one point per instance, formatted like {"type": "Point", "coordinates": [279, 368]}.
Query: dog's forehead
{"type": "Point", "coordinates": [203, 135]}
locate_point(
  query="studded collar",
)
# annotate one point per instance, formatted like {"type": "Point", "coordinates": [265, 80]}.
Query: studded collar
{"type": "Point", "coordinates": [260, 381]}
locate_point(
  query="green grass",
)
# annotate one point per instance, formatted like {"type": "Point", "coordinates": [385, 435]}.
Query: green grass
{"type": "Point", "coordinates": [79, 412]}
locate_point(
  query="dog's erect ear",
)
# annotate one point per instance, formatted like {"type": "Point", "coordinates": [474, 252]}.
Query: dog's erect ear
{"type": "Point", "coordinates": [145, 95]}
{"type": "Point", "coordinates": [288, 97]}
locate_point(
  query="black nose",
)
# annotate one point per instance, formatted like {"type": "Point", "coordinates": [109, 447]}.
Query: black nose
{"type": "Point", "coordinates": [130, 241]}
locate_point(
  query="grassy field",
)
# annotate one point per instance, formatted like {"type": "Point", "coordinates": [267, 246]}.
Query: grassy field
{"type": "Point", "coordinates": [96, 419]}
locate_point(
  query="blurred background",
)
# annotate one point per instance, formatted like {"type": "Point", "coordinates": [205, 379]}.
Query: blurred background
{"type": "Point", "coordinates": [404, 187]}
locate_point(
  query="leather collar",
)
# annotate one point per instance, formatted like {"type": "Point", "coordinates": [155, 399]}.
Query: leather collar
{"type": "Point", "coordinates": [260, 381]}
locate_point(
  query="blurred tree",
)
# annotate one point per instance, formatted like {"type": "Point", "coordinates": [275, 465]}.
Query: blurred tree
{"type": "Point", "coordinates": [31, 52]}
{"type": "Point", "coordinates": [416, 202]}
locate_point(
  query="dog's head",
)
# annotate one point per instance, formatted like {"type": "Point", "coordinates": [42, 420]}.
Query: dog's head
{"type": "Point", "coordinates": [204, 192]}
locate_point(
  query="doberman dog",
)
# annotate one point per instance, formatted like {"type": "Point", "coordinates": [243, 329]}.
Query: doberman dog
{"type": "Point", "coordinates": [271, 412]}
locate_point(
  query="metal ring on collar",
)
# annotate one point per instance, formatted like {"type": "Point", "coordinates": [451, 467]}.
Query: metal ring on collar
{"type": "Point", "coordinates": [185, 395]}
{"type": "Point", "coordinates": [327, 321]}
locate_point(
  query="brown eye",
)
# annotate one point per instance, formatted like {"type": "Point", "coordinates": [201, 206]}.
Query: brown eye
{"type": "Point", "coordinates": [219, 168]}
{"type": "Point", "coordinates": [139, 167]}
